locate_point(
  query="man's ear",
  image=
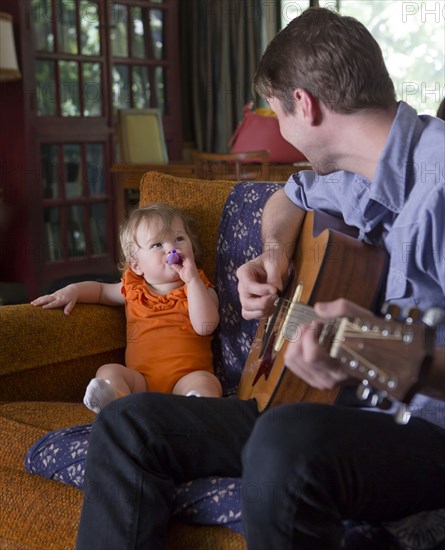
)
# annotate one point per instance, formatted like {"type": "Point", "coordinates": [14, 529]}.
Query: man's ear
{"type": "Point", "coordinates": [308, 105]}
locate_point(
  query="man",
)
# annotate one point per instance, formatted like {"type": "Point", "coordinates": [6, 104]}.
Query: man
{"type": "Point", "coordinates": [315, 465]}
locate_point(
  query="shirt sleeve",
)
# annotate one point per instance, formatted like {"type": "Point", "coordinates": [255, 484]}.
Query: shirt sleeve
{"type": "Point", "coordinates": [130, 282]}
{"type": "Point", "coordinates": [430, 245]}
{"type": "Point", "coordinates": [311, 191]}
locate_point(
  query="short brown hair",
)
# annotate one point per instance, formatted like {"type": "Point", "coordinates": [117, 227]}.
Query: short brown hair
{"type": "Point", "coordinates": [333, 57]}
{"type": "Point", "coordinates": [160, 212]}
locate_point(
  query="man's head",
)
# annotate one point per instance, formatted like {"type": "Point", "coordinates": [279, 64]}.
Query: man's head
{"type": "Point", "coordinates": [332, 57]}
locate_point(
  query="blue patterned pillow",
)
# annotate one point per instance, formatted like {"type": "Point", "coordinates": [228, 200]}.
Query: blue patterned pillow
{"type": "Point", "coordinates": [60, 455]}
{"type": "Point", "coordinates": [239, 240]}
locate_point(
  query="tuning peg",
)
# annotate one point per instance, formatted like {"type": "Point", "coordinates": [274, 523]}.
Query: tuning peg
{"type": "Point", "coordinates": [411, 315]}
{"type": "Point", "coordinates": [363, 391]}
{"type": "Point", "coordinates": [380, 399]}
{"type": "Point", "coordinates": [390, 311]}
{"type": "Point", "coordinates": [402, 414]}
{"type": "Point", "coordinates": [375, 399]}
{"type": "Point", "coordinates": [434, 316]}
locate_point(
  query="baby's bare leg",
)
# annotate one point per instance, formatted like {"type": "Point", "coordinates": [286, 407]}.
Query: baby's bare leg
{"type": "Point", "coordinates": [202, 382]}
{"type": "Point", "coordinates": [112, 381]}
{"type": "Point", "coordinates": [122, 379]}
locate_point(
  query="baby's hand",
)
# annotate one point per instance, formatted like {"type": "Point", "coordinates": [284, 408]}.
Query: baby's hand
{"type": "Point", "coordinates": [187, 270]}
{"type": "Point", "coordinates": [64, 297]}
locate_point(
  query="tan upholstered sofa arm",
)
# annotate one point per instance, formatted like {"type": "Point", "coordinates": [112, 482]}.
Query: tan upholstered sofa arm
{"type": "Point", "coordinates": [45, 355]}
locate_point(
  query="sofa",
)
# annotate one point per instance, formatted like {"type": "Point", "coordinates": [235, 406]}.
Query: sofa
{"type": "Point", "coordinates": [47, 360]}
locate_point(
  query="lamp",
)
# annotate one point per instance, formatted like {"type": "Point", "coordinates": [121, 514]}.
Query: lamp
{"type": "Point", "coordinates": [9, 69]}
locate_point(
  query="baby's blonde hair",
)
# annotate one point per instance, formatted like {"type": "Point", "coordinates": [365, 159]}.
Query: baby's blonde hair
{"type": "Point", "coordinates": [163, 213]}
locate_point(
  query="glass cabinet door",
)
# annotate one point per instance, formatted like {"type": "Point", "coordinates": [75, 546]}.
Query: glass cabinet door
{"type": "Point", "coordinates": [74, 173]}
{"type": "Point", "coordinates": [85, 59]}
{"type": "Point", "coordinates": [69, 60]}
{"type": "Point", "coordinates": [138, 56]}
{"type": "Point", "coordinates": [75, 203]}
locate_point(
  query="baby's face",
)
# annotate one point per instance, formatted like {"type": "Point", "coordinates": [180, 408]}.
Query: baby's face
{"type": "Point", "coordinates": [155, 244]}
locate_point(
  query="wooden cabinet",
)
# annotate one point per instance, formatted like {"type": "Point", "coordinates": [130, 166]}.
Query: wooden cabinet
{"type": "Point", "coordinates": [80, 61]}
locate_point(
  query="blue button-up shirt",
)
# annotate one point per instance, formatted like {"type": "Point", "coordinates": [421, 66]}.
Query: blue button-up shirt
{"type": "Point", "coordinates": [402, 209]}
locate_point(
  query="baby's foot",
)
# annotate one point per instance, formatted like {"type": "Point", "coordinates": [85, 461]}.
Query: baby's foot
{"type": "Point", "coordinates": [98, 394]}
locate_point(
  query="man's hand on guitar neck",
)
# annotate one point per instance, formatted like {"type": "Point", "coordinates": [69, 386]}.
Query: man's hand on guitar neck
{"type": "Point", "coordinates": [306, 358]}
{"type": "Point", "coordinates": [309, 360]}
{"type": "Point", "coordinates": [259, 282]}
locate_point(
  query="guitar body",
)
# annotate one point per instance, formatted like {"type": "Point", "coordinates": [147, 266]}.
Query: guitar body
{"type": "Point", "coordinates": [329, 263]}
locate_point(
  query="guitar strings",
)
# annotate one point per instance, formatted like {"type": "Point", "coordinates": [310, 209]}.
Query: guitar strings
{"type": "Point", "coordinates": [364, 332]}
{"type": "Point", "coordinates": [290, 305]}
{"type": "Point", "coordinates": [290, 317]}
{"type": "Point", "coordinates": [371, 335]}
{"type": "Point", "coordinates": [306, 314]}
{"type": "Point", "coordinates": [298, 312]}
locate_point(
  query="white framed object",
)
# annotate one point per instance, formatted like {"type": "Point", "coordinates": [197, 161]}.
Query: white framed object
{"type": "Point", "coordinates": [141, 136]}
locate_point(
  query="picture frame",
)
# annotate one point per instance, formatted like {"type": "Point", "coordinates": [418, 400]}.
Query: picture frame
{"type": "Point", "coordinates": [141, 136]}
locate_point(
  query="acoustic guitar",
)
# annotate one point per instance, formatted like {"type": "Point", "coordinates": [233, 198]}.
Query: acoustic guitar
{"type": "Point", "coordinates": [329, 263]}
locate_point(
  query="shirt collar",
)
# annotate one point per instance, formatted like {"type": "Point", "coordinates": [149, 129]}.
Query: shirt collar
{"type": "Point", "coordinates": [389, 186]}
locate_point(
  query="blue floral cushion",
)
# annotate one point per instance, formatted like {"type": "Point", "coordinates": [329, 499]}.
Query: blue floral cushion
{"type": "Point", "coordinates": [60, 455]}
{"type": "Point", "coordinates": [239, 240]}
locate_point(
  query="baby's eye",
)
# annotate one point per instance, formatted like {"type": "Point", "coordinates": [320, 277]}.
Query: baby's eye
{"type": "Point", "coordinates": [156, 245]}
{"type": "Point", "coordinates": [180, 238]}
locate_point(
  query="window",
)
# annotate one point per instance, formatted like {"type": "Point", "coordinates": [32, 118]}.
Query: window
{"type": "Point", "coordinates": [412, 38]}
{"type": "Point", "coordinates": [138, 57]}
{"type": "Point", "coordinates": [70, 66]}
{"type": "Point", "coordinates": [69, 60]}
{"type": "Point", "coordinates": [291, 9]}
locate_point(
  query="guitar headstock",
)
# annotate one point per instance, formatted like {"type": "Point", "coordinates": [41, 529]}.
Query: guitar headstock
{"type": "Point", "coordinates": [386, 355]}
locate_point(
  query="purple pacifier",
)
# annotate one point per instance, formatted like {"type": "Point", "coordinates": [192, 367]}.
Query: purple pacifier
{"type": "Point", "coordinates": [174, 257]}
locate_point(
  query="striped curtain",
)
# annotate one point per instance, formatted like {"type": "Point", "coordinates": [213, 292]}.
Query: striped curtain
{"type": "Point", "coordinates": [221, 48]}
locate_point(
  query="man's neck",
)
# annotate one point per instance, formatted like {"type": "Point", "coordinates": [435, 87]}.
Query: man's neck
{"type": "Point", "coordinates": [357, 140]}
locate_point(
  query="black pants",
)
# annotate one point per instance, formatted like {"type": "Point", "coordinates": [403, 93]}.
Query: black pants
{"type": "Point", "coordinates": [304, 467]}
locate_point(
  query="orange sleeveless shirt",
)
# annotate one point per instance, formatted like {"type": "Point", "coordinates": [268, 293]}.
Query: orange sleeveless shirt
{"type": "Point", "coordinates": [161, 342]}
